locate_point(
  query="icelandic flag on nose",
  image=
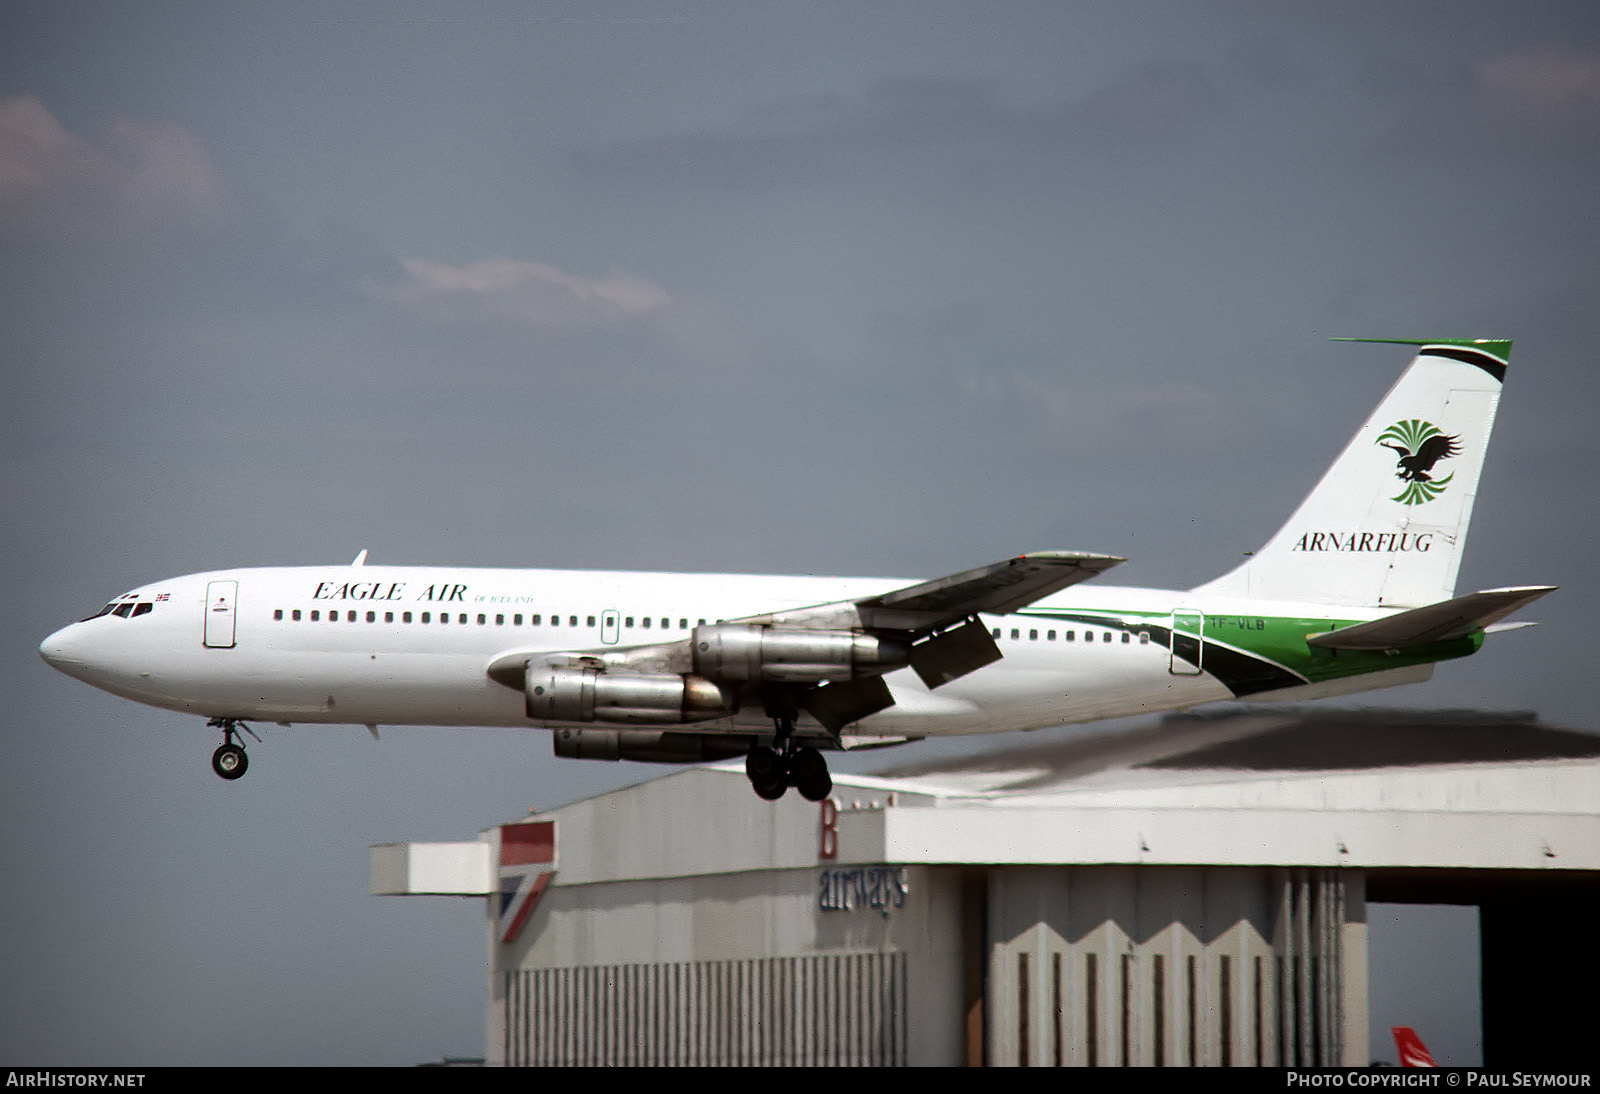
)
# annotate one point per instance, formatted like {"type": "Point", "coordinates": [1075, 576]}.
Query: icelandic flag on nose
{"type": "Point", "coordinates": [527, 863]}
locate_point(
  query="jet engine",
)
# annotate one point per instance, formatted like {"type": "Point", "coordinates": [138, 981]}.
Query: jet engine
{"type": "Point", "coordinates": [791, 655]}
{"type": "Point", "coordinates": [649, 745]}
{"type": "Point", "coordinates": [589, 695]}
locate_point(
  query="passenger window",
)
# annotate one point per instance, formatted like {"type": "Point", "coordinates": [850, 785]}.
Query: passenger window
{"type": "Point", "coordinates": [388, 617]}
{"type": "Point", "coordinates": [499, 620]}
{"type": "Point", "coordinates": [427, 617]}
{"type": "Point", "coordinates": [591, 621]}
{"type": "Point", "coordinates": [1050, 636]}
{"type": "Point", "coordinates": [1126, 638]}
{"type": "Point", "coordinates": [572, 621]}
{"type": "Point", "coordinates": [462, 618]}
{"type": "Point", "coordinates": [444, 617]}
{"type": "Point", "coordinates": [315, 617]}
{"type": "Point", "coordinates": [295, 615]}
{"type": "Point", "coordinates": [702, 623]}
{"type": "Point", "coordinates": [372, 617]}
{"type": "Point", "coordinates": [683, 624]}
{"type": "Point", "coordinates": [482, 619]}
{"type": "Point", "coordinates": [350, 617]}
{"type": "Point", "coordinates": [1015, 633]}
{"type": "Point", "coordinates": [1033, 636]}
{"type": "Point", "coordinates": [278, 614]}
{"type": "Point", "coordinates": [628, 622]}
{"type": "Point", "coordinates": [405, 617]}
{"type": "Point", "coordinates": [1070, 635]}
{"type": "Point", "coordinates": [645, 622]}
{"type": "Point", "coordinates": [997, 632]}
{"type": "Point", "coordinates": [516, 621]}
{"type": "Point", "coordinates": [555, 620]}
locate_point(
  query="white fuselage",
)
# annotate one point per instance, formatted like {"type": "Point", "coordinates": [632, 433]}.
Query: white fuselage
{"type": "Point", "coordinates": [1379, 537]}
{"type": "Point", "coordinates": [411, 645]}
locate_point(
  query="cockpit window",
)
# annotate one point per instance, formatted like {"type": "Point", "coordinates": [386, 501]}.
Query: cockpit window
{"type": "Point", "coordinates": [126, 607]}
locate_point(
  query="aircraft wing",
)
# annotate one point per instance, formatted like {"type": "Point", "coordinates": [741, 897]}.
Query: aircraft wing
{"type": "Point", "coordinates": [930, 606]}
{"type": "Point", "coordinates": [995, 589]}
{"type": "Point", "coordinates": [940, 617]}
{"type": "Point", "coordinates": [931, 626]}
{"type": "Point", "coordinates": [1439, 622]}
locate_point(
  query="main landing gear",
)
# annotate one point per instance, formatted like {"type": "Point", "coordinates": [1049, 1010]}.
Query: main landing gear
{"type": "Point", "coordinates": [774, 770]}
{"type": "Point", "coordinates": [229, 760]}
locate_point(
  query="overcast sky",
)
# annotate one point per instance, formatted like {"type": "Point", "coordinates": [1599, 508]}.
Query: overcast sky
{"type": "Point", "coordinates": [887, 288]}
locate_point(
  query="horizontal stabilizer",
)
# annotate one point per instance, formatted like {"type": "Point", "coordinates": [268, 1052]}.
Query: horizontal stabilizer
{"type": "Point", "coordinates": [1440, 622]}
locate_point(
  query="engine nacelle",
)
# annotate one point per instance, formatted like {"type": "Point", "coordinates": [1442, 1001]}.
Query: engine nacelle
{"type": "Point", "coordinates": [746, 651]}
{"type": "Point", "coordinates": [648, 746]}
{"type": "Point", "coordinates": [589, 695]}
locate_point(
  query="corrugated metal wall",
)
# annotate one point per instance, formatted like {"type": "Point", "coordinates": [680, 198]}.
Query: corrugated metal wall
{"type": "Point", "coordinates": [830, 1009]}
{"type": "Point", "coordinates": [1165, 966]}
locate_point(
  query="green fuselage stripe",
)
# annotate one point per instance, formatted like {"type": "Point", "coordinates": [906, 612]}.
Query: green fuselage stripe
{"type": "Point", "coordinates": [1251, 654]}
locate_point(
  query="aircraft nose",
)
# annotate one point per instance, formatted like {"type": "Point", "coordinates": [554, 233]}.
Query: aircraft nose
{"type": "Point", "coordinates": [61, 650]}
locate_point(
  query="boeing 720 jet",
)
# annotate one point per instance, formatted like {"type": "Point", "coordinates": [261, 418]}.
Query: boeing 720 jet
{"type": "Point", "coordinates": [1356, 591]}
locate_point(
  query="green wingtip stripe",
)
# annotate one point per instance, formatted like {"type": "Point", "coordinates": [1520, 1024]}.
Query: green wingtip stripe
{"type": "Point", "coordinates": [1498, 348]}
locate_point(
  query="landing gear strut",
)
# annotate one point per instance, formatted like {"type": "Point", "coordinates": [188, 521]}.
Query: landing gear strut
{"type": "Point", "coordinates": [773, 770]}
{"type": "Point", "coordinates": [229, 760]}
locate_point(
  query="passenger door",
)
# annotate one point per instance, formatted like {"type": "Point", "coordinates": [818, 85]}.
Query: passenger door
{"type": "Point", "coordinates": [219, 627]}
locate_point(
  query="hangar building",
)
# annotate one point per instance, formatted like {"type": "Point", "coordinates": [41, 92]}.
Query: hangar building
{"type": "Point", "coordinates": [1190, 894]}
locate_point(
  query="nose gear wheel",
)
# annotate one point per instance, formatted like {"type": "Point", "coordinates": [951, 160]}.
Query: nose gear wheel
{"type": "Point", "coordinates": [229, 760]}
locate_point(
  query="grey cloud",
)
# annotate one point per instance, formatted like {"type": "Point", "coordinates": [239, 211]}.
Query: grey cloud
{"type": "Point", "coordinates": [151, 170]}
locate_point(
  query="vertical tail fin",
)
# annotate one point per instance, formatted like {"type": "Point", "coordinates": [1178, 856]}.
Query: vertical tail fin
{"type": "Point", "coordinates": [1386, 525]}
{"type": "Point", "coordinates": [1413, 1053]}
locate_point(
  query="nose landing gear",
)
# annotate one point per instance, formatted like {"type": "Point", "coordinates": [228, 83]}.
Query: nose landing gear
{"type": "Point", "coordinates": [229, 760]}
{"type": "Point", "coordinates": [772, 771]}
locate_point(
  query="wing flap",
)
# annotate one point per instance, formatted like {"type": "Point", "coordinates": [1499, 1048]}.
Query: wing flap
{"type": "Point", "coordinates": [1455, 618]}
{"type": "Point", "coordinates": [954, 653]}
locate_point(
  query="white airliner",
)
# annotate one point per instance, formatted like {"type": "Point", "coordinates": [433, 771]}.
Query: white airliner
{"type": "Point", "coordinates": [1355, 592]}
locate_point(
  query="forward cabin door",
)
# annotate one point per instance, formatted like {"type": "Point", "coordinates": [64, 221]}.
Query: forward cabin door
{"type": "Point", "coordinates": [1186, 645]}
{"type": "Point", "coordinates": [220, 598]}
{"type": "Point", "coordinates": [610, 627]}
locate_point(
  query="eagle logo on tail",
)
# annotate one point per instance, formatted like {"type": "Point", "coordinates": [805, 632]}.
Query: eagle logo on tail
{"type": "Point", "coordinates": [1420, 446]}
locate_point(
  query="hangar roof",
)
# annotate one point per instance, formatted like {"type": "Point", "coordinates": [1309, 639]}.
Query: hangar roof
{"type": "Point", "coordinates": [1264, 787]}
